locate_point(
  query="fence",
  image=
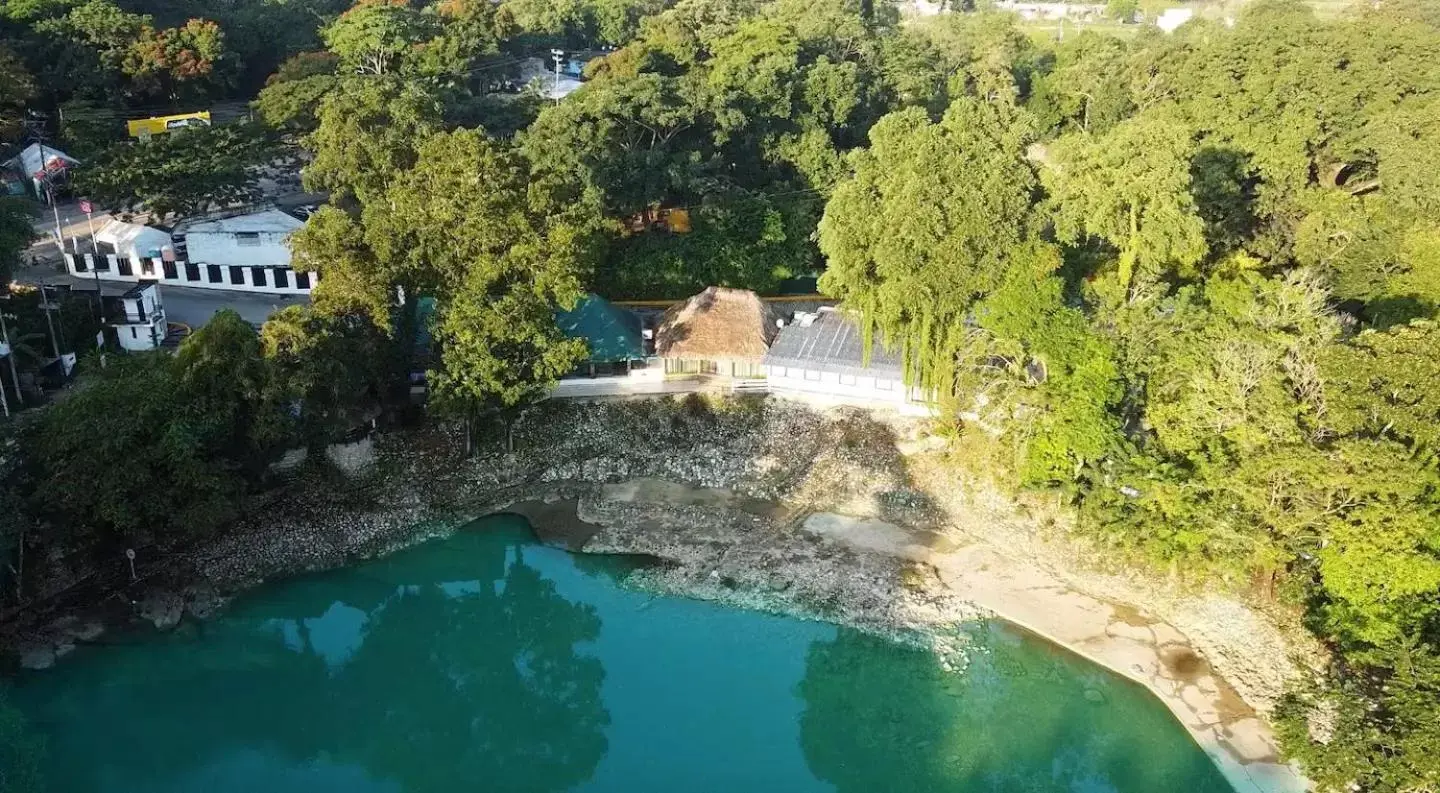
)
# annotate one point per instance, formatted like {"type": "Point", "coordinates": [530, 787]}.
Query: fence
{"type": "Point", "coordinates": [236, 278]}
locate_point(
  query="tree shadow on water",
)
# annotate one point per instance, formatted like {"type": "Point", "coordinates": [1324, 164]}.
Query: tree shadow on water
{"type": "Point", "coordinates": [1021, 717]}
{"type": "Point", "coordinates": [452, 667]}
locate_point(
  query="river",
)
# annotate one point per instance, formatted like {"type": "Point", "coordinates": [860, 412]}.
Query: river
{"type": "Point", "coordinates": [487, 662]}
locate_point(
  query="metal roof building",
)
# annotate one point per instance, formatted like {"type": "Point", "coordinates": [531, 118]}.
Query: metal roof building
{"type": "Point", "coordinates": [831, 341]}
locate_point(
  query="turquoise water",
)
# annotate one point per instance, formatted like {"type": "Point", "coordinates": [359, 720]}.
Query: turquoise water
{"type": "Point", "coordinates": [485, 662]}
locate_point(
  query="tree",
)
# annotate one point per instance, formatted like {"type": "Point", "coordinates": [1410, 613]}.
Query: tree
{"type": "Point", "coordinates": [1122, 10]}
{"type": "Point", "coordinates": [1131, 188]}
{"type": "Point", "coordinates": [332, 367]}
{"type": "Point", "coordinates": [473, 204]}
{"type": "Point", "coordinates": [1386, 384]}
{"type": "Point", "coordinates": [500, 250]}
{"type": "Point", "coordinates": [178, 62]}
{"type": "Point", "coordinates": [225, 381]}
{"type": "Point", "coordinates": [132, 438]}
{"type": "Point", "coordinates": [17, 231]}
{"type": "Point", "coordinates": [352, 281]}
{"type": "Point", "coordinates": [182, 173]}
{"type": "Point", "coordinates": [1376, 721]}
{"type": "Point", "coordinates": [500, 353]}
{"type": "Point", "coordinates": [88, 46]}
{"type": "Point", "coordinates": [372, 37]}
{"type": "Point", "coordinates": [1088, 86]}
{"type": "Point", "coordinates": [16, 88]}
{"type": "Point", "coordinates": [1041, 364]}
{"type": "Point", "coordinates": [292, 95]}
{"type": "Point", "coordinates": [368, 131]}
{"type": "Point", "coordinates": [925, 226]}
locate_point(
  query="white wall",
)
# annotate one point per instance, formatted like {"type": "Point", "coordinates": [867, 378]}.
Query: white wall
{"type": "Point", "coordinates": [842, 389]}
{"type": "Point", "coordinates": [156, 272]}
{"type": "Point", "coordinates": [135, 338]}
{"type": "Point", "coordinates": [269, 249]}
{"type": "Point", "coordinates": [145, 335]}
{"type": "Point", "coordinates": [873, 388]}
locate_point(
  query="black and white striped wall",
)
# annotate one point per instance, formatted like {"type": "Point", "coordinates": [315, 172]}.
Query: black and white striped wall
{"type": "Point", "coordinates": [262, 279]}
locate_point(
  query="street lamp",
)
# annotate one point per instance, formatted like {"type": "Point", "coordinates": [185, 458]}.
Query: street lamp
{"type": "Point", "coordinates": [559, 57]}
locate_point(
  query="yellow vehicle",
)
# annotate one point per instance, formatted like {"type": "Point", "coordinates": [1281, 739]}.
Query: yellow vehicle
{"type": "Point", "coordinates": [160, 125]}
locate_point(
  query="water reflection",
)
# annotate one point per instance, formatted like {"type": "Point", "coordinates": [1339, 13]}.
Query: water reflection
{"type": "Point", "coordinates": [459, 669]}
{"type": "Point", "coordinates": [479, 664]}
{"type": "Point", "coordinates": [1021, 718]}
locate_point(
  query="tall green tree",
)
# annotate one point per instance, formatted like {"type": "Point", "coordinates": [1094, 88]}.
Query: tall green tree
{"type": "Point", "coordinates": [501, 251]}
{"type": "Point", "coordinates": [368, 132]}
{"type": "Point", "coordinates": [332, 368]}
{"type": "Point", "coordinates": [17, 86]}
{"type": "Point", "coordinates": [374, 35]}
{"type": "Point", "coordinates": [182, 173]}
{"type": "Point", "coordinates": [925, 227]}
{"type": "Point", "coordinates": [1131, 188]}
{"type": "Point", "coordinates": [17, 231]}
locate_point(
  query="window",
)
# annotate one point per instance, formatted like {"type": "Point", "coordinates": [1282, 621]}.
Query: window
{"type": "Point", "coordinates": [847, 379]}
{"type": "Point", "coordinates": [170, 270]}
{"type": "Point", "coordinates": [812, 374]}
{"type": "Point", "coordinates": [302, 280]}
{"type": "Point", "coordinates": [212, 272]}
{"type": "Point", "coordinates": [102, 263]}
{"type": "Point", "coordinates": [123, 265]}
{"type": "Point", "coordinates": [247, 239]}
{"type": "Point", "coordinates": [79, 260]}
{"type": "Point", "coordinates": [192, 271]}
{"type": "Point", "coordinates": [147, 266]}
{"type": "Point", "coordinates": [133, 334]}
{"type": "Point", "coordinates": [237, 276]}
{"type": "Point", "coordinates": [257, 275]}
{"type": "Point", "coordinates": [282, 278]}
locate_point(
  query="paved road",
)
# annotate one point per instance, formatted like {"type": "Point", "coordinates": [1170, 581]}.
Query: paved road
{"type": "Point", "coordinates": [187, 305]}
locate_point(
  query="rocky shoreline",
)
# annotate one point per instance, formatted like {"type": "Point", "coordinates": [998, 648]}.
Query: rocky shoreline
{"type": "Point", "coordinates": [766, 505]}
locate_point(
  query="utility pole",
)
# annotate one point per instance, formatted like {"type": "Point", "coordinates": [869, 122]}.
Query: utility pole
{"type": "Point", "coordinates": [36, 127]}
{"type": "Point", "coordinates": [558, 56]}
{"type": "Point", "coordinates": [89, 209]}
{"type": "Point", "coordinates": [45, 304]}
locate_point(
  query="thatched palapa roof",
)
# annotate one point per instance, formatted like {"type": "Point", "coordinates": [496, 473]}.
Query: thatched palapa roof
{"type": "Point", "coordinates": [719, 323]}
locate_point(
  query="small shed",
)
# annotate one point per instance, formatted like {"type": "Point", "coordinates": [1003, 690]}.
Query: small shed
{"type": "Point", "coordinates": [719, 331]}
{"type": "Point", "coordinates": [39, 164]}
{"type": "Point", "coordinates": [612, 333]}
{"type": "Point", "coordinates": [129, 240]}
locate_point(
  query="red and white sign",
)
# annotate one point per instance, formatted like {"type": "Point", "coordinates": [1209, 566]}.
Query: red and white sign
{"type": "Point", "coordinates": [86, 206]}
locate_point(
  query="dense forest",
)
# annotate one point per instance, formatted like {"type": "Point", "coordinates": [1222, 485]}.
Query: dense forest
{"type": "Point", "coordinates": [1190, 281]}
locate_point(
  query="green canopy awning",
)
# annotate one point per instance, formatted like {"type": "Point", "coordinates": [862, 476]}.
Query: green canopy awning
{"type": "Point", "coordinates": [612, 332]}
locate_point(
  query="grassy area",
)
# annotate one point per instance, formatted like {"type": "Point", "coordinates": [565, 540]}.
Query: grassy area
{"type": "Point", "coordinates": [1044, 31]}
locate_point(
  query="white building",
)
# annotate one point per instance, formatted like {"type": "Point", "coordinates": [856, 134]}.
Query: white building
{"type": "Point", "coordinates": [1172, 18]}
{"type": "Point", "coordinates": [132, 240]}
{"type": "Point", "coordinates": [254, 239]}
{"type": "Point", "coordinates": [541, 76]}
{"type": "Point", "coordinates": [820, 357]}
{"type": "Point", "coordinates": [138, 317]}
{"type": "Point", "coordinates": [239, 251]}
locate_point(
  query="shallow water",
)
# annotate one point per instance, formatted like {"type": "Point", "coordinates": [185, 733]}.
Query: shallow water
{"type": "Point", "coordinates": [486, 662]}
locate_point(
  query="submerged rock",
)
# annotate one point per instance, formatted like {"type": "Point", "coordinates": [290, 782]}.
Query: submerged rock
{"type": "Point", "coordinates": [161, 608]}
{"type": "Point", "coordinates": [38, 657]}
